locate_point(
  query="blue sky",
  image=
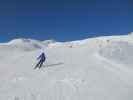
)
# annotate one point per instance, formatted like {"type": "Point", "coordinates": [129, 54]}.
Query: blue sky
{"type": "Point", "coordinates": [64, 20]}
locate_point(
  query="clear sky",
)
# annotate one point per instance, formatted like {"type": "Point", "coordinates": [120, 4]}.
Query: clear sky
{"type": "Point", "coordinates": [64, 20]}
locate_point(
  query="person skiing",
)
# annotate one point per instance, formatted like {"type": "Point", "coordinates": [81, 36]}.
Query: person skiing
{"type": "Point", "coordinates": [42, 58]}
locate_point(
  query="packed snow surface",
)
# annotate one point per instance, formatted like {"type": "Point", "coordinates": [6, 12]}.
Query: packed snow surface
{"type": "Point", "coordinates": [91, 69]}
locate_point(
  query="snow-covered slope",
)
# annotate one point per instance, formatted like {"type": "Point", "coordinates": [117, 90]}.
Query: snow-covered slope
{"type": "Point", "coordinates": [91, 69]}
{"type": "Point", "coordinates": [25, 44]}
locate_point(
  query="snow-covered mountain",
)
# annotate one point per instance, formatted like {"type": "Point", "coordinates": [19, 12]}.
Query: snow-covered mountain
{"type": "Point", "coordinates": [91, 69]}
{"type": "Point", "coordinates": [23, 44]}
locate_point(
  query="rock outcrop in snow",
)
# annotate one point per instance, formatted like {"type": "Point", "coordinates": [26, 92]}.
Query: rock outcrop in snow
{"type": "Point", "coordinates": [131, 33]}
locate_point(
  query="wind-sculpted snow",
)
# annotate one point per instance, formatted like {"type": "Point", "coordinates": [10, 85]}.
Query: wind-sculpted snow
{"type": "Point", "coordinates": [120, 52]}
{"type": "Point", "coordinates": [78, 70]}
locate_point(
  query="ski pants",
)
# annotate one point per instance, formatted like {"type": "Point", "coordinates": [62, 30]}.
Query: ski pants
{"type": "Point", "coordinates": [39, 64]}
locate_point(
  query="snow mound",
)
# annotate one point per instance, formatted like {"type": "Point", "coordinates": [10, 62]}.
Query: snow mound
{"type": "Point", "coordinates": [20, 41]}
{"type": "Point", "coordinates": [120, 52]}
{"type": "Point", "coordinates": [23, 44]}
{"type": "Point", "coordinates": [47, 42]}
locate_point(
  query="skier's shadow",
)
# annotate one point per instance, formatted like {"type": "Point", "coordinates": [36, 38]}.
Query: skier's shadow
{"type": "Point", "coordinates": [52, 65]}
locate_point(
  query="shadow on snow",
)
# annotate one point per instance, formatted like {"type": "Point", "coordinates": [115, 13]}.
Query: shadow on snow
{"type": "Point", "coordinates": [52, 65]}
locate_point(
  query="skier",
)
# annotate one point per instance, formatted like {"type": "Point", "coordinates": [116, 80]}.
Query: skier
{"type": "Point", "coordinates": [41, 61]}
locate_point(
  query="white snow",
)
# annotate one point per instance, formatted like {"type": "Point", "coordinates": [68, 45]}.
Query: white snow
{"type": "Point", "coordinates": [92, 69]}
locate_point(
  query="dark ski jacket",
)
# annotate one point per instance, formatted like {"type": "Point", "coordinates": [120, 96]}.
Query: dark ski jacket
{"type": "Point", "coordinates": [42, 57]}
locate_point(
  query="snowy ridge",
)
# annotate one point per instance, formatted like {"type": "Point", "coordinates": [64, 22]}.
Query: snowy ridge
{"type": "Point", "coordinates": [92, 69]}
{"type": "Point", "coordinates": [23, 44]}
{"type": "Point", "coordinates": [97, 40]}
{"type": "Point", "coordinates": [39, 44]}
